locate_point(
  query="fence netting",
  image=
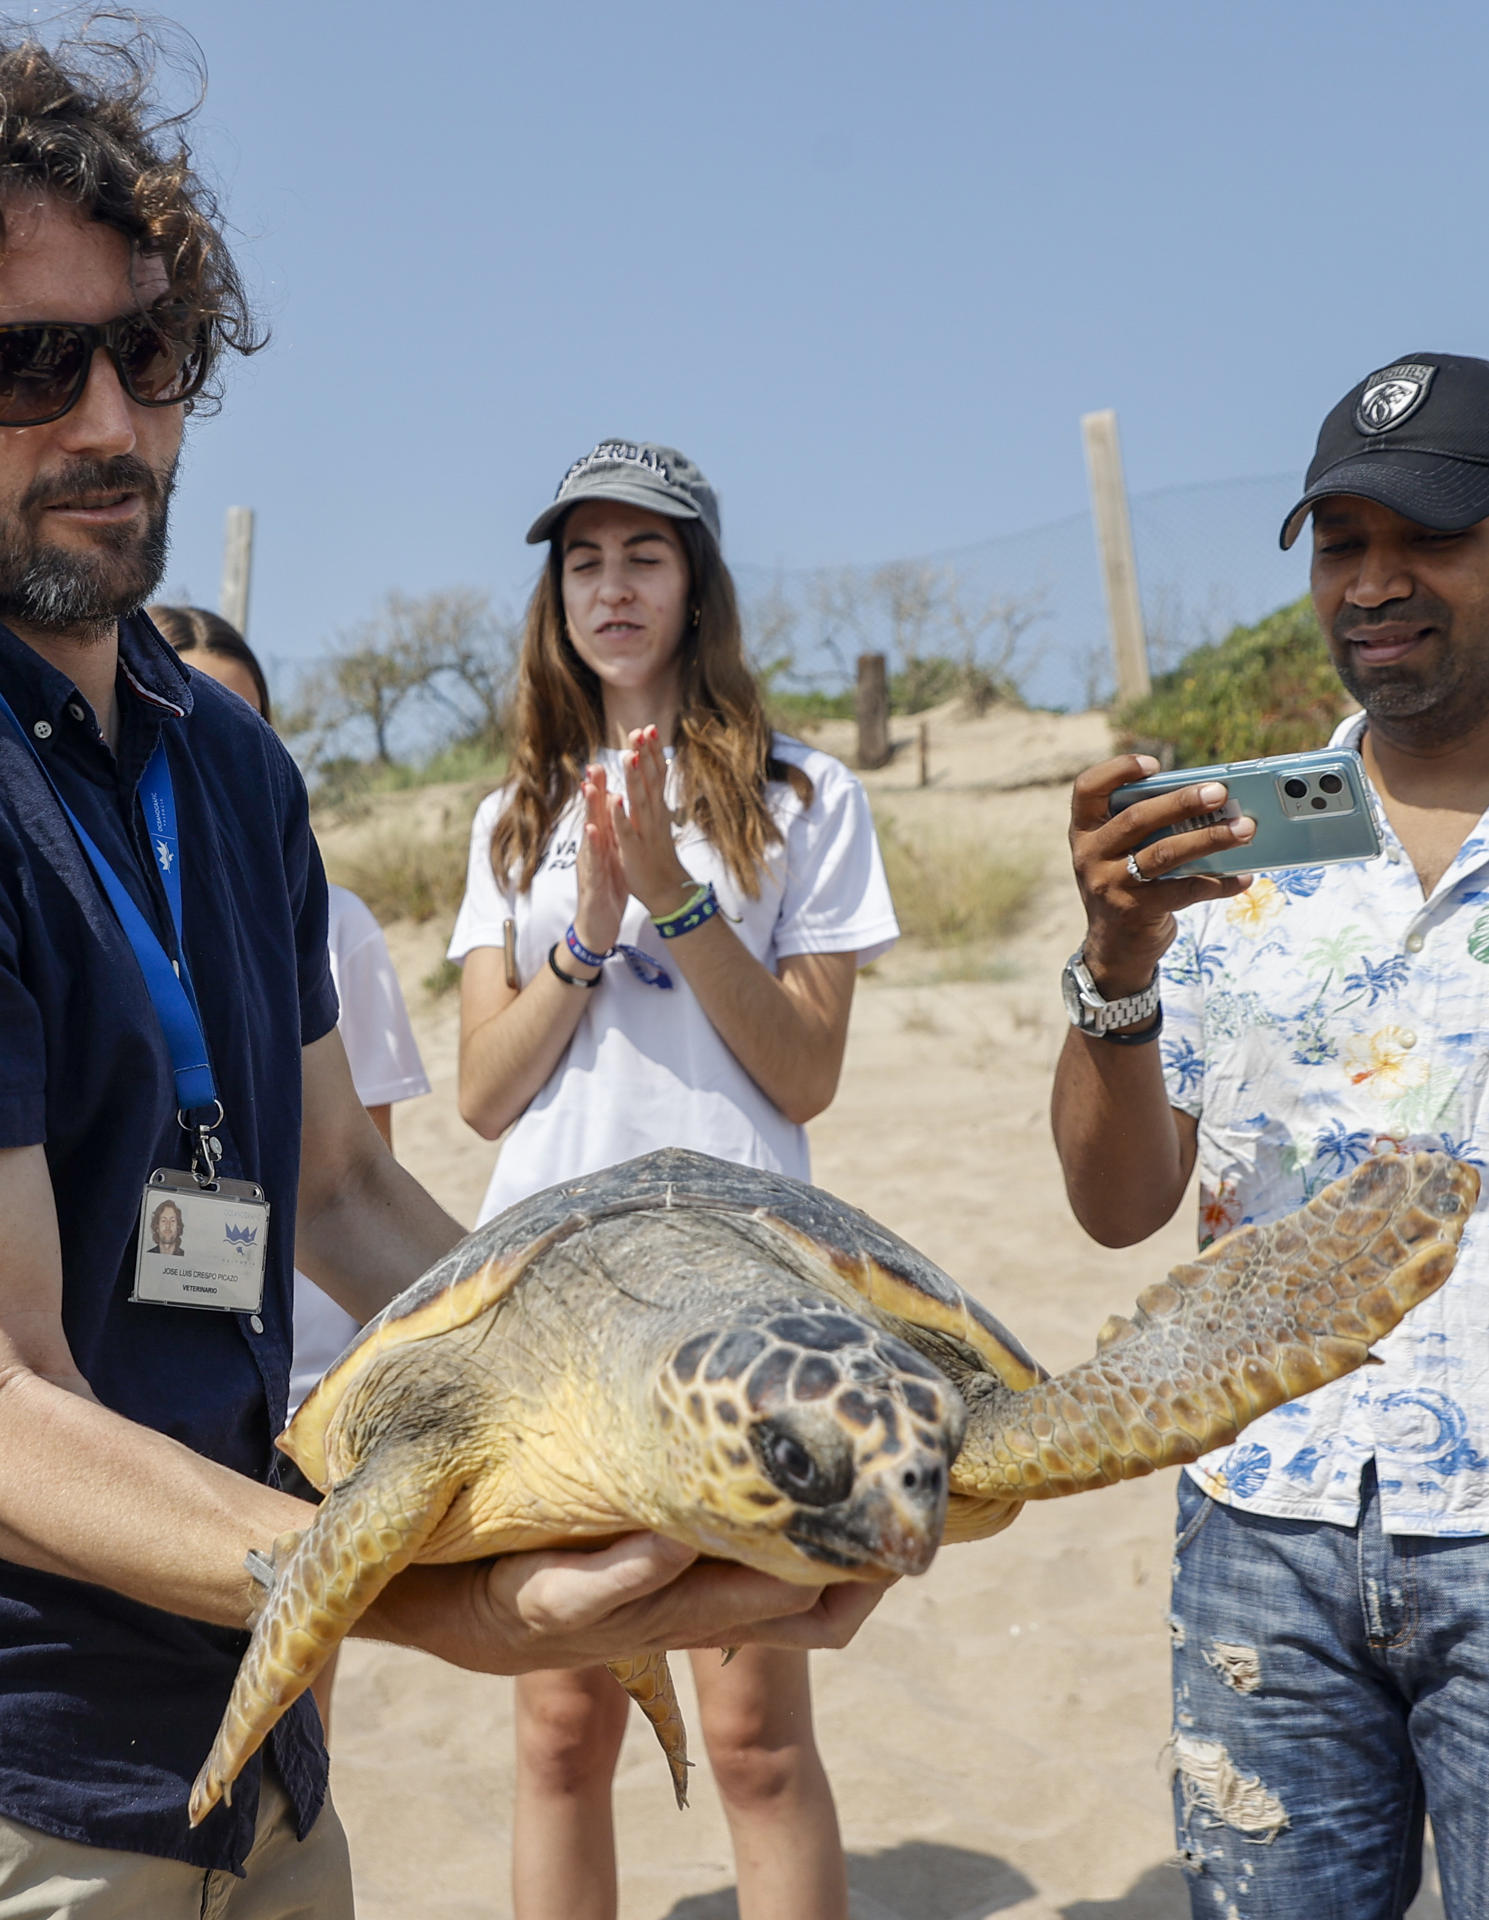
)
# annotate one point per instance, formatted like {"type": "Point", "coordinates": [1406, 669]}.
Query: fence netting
{"type": "Point", "coordinates": [1027, 607]}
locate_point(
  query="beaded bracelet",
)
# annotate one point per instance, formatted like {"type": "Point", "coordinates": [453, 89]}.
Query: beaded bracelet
{"type": "Point", "coordinates": [702, 904]}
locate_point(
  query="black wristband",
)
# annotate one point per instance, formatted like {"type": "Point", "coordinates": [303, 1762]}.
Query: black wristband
{"type": "Point", "coordinates": [1138, 1039]}
{"type": "Point", "coordinates": [569, 979]}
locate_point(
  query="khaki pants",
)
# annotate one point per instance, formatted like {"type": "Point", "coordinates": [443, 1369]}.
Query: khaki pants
{"type": "Point", "coordinates": [288, 1879]}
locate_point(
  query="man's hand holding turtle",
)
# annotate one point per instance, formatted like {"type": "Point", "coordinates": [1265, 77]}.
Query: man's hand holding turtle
{"type": "Point", "coordinates": [1130, 920]}
{"type": "Point", "coordinates": [642, 1593]}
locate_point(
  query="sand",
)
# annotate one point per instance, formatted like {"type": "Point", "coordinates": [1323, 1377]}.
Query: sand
{"type": "Point", "coordinates": [996, 1733]}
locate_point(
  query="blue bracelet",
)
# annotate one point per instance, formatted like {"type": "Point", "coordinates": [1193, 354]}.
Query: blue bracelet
{"type": "Point", "coordinates": [582, 953]}
{"type": "Point", "coordinates": [649, 972]}
{"type": "Point", "coordinates": [703, 905]}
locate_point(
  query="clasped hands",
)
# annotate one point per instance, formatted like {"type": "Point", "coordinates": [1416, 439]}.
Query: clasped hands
{"type": "Point", "coordinates": [627, 846]}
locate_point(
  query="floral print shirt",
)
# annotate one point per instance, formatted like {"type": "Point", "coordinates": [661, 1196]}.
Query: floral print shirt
{"type": "Point", "coordinates": [1327, 1014]}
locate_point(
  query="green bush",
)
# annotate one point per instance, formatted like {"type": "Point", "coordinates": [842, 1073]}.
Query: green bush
{"type": "Point", "coordinates": [1270, 688]}
{"type": "Point", "coordinates": [931, 679]}
{"type": "Point", "coordinates": [346, 786]}
{"type": "Point", "coordinates": [789, 711]}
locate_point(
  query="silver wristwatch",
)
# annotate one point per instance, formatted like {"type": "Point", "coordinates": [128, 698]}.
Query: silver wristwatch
{"type": "Point", "coordinates": [1092, 1014]}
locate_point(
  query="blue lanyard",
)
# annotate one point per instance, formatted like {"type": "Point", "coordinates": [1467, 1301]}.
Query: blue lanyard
{"type": "Point", "coordinates": [170, 989]}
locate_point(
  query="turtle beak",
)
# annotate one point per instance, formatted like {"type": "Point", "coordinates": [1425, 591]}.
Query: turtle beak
{"type": "Point", "coordinates": [892, 1523]}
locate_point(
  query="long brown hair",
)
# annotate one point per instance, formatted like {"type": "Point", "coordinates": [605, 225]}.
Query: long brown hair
{"type": "Point", "coordinates": [723, 736]}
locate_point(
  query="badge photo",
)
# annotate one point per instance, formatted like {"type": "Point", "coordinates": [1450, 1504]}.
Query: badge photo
{"type": "Point", "coordinates": [201, 1247]}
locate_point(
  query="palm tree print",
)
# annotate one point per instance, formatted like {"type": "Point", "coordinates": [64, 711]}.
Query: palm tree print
{"type": "Point", "coordinates": [1332, 953]}
{"type": "Point", "coordinates": [1338, 1148]}
{"type": "Point", "coordinates": [1188, 963]}
{"type": "Point", "coordinates": [1185, 1065]}
{"type": "Point", "coordinates": [1378, 978]}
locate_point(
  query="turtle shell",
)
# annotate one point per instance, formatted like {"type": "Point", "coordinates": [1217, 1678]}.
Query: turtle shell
{"type": "Point", "coordinates": [481, 1272]}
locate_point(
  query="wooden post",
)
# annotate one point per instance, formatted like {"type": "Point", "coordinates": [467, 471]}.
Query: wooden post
{"type": "Point", "coordinates": [237, 567]}
{"type": "Point", "coordinates": [925, 753]}
{"type": "Point", "coordinates": [873, 711]}
{"type": "Point", "coordinates": [1124, 609]}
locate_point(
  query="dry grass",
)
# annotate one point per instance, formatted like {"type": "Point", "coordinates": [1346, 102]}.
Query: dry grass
{"type": "Point", "coordinates": [402, 877]}
{"type": "Point", "coordinates": [443, 979]}
{"type": "Point", "coordinates": [951, 892]}
{"type": "Point", "coordinates": [956, 899]}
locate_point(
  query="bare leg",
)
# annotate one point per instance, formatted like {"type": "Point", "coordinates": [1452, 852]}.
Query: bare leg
{"type": "Point", "coordinates": [569, 1730]}
{"type": "Point", "coordinates": [757, 1724]}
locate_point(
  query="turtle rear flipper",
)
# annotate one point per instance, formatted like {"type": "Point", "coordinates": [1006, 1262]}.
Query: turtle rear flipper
{"type": "Point", "coordinates": [1264, 1315]}
{"type": "Point", "coordinates": [648, 1680]}
{"type": "Point", "coordinates": [367, 1530]}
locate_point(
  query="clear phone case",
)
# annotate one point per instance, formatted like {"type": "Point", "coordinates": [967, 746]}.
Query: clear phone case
{"type": "Point", "coordinates": [1309, 809]}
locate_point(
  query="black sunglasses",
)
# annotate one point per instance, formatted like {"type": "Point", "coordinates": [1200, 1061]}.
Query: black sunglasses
{"type": "Point", "coordinates": [160, 359]}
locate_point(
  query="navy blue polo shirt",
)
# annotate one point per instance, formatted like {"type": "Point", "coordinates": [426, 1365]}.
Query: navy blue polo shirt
{"type": "Point", "coordinates": [107, 1707]}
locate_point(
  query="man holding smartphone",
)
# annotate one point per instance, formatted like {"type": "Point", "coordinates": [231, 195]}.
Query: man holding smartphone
{"type": "Point", "coordinates": [1331, 1590]}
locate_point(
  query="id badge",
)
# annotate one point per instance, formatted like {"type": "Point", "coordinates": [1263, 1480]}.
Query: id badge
{"type": "Point", "coordinates": [201, 1247]}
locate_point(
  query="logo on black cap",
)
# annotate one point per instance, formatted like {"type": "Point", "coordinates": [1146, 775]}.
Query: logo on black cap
{"type": "Point", "coordinates": [1392, 395]}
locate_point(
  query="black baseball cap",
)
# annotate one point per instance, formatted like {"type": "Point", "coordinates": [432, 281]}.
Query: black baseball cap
{"type": "Point", "coordinates": [1414, 437]}
{"type": "Point", "coordinates": [638, 472]}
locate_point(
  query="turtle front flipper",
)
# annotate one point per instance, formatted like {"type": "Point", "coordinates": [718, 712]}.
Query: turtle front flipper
{"type": "Point", "coordinates": [367, 1530]}
{"type": "Point", "coordinates": [648, 1680]}
{"type": "Point", "coordinates": [1264, 1315]}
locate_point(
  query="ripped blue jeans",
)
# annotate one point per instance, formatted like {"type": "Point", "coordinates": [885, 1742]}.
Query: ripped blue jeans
{"type": "Point", "coordinates": [1331, 1687]}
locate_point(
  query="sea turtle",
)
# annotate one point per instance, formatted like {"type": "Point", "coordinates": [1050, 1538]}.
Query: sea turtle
{"type": "Point", "coordinates": [746, 1364]}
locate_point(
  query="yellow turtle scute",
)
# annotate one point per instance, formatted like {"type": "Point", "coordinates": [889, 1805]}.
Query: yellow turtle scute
{"type": "Point", "coordinates": [961, 1317]}
{"type": "Point", "coordinates": [456, 1305]}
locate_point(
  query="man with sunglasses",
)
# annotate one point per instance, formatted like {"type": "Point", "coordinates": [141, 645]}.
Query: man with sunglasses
{"type": "Point", "coordinates": [166, 1026]}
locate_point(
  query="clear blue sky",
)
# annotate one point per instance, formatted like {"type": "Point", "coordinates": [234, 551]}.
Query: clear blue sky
{"type": "Point", "coordinates": [867, 263]}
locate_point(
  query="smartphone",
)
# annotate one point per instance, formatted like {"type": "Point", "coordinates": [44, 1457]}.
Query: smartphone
{"type": "Point", "coordinates": [1309, 809]}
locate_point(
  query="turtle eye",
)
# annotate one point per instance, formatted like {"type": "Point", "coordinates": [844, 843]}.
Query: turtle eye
{"type": "Point", "coordinates": [793, 1466]}
{"type": "Point", "coordinates": [790, 1463]}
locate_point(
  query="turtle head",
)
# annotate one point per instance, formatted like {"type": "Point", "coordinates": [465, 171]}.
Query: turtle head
{"type": "Point", "coordinates": [810, 1444]}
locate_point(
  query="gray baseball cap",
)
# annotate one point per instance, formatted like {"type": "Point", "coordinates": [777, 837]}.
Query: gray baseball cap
{"type": "Point", "coordinates": [642, 475]}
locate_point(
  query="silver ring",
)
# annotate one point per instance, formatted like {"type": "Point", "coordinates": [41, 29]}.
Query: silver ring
{"type": "Point", "coordinates": [1143, 879]}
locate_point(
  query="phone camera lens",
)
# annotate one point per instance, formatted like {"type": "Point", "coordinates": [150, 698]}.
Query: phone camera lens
{"type": "Point", "coordinates": [1331, 783]}
{"type": "Point", "coordinates": [1318, 803]}
{"type": "Point", "coordinates": [1295, 789]}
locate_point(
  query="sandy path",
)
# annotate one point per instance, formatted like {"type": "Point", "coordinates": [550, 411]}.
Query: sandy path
{"type": "Point", "coordinates": [995, 1735]}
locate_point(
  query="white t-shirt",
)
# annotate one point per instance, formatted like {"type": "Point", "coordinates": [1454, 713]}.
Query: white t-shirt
{"type": "Point", "coordinates": [645, 1068]}
{"type": "Point", "coordinates": [385, 1064]}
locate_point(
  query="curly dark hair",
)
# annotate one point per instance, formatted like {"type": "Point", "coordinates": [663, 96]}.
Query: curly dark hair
{"type": "Point", "coordinates": [80, 120]}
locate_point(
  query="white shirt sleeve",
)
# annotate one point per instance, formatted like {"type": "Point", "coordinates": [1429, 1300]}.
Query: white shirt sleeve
{"type": "Point", "coordinates": [836, 898]}
{"type": "Point", "coordinates": [487, 904]}
{"type": "Point", "coordinates": [374, 1023]}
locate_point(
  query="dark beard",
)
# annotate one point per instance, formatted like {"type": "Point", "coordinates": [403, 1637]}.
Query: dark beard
{"type": "Point", "coordinates": [54, 589]}
{"type": "Point", "coordinates": [1430, 709]}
